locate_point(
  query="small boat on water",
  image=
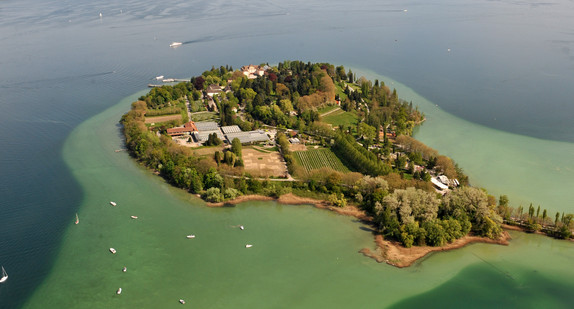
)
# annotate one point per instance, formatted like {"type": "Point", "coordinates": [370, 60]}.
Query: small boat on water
{"type": "Point", "coordinates": [77, 219]}
{"type": "Point", "coordinates": [125, 269]}
{"type": "Point", "coordinates": [241, 227]}
{"type": "Point", "coordinates": [4, 275]}
{"type": "Point", "coordinates": [113, 203]}
{"type": "Point", "coordinates": [190, 236]}
{"type": "Point", "coordinates": [181, 301]}
{"type": "Point", "coordinates": [113, 251]}
{"type": "Point", "coordinates": [134, 217]}
{"type": "Point", "coordinates": [119, 291]}
{"type": "Point", "coordinates": [248, 246]}
{"type": "Point", "coordinates": [175, 44]}
{"type": "Point", "coordinates": [159, 77]}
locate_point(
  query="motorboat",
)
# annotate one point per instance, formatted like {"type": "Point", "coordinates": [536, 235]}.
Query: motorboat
{"type": "Point", "coordinates": [4, 275]}
{"type": "Point", "coordinates": [241, 227]}
{"type": "Point", "coordinates": [113, 251]}
{"type": "Point", "coordinates": [190, 236]}
{"type": "Point", "coordinates": [175, 44]}
{"type": "Point", "coordinates": [248, 246]}
{"type": "Point", "coordinates": [134, 217]}
{"type": "Point", "coordinates": [125, 269]}
{"type": "Point", "coordinates": [119, 291]}
{"type": "Point", "coordinates": [77, 219]}
{"type": "Point", "coordinates": [159, 77]}
{"type": "Point", "coordinates": [181, 301]}
{"type": "Point", "coordinates": [113, 203]}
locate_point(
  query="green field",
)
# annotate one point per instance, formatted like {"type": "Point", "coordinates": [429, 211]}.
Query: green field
{"type": "Point", "coordinates": [204, 116]}
{"type": "Point", "coordinates": [326, 109]}
{"type": "Point", "coordinates": [318, 158]}
{"type": "Point", "coordinates": [341, 118]}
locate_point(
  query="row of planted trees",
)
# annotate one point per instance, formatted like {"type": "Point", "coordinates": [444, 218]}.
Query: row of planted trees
{"type": "Point", "coordinates": [560, 225]}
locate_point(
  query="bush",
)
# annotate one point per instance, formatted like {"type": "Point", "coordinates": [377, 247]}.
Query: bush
{"type": "Point", "coordinates": [213, 195]}
{"type": "Point", "coordinates": [231, 193]}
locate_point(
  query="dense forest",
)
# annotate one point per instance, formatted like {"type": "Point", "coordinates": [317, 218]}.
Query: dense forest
{"type": "Point", "coordinates": [390, 171]}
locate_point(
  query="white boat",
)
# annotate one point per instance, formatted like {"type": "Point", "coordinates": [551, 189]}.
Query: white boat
{"type": "Point", "coordinates": [77, 219]}
{"type": "Point", "coordinates": [169, 80]}
{"type": "Point", "coordinates": [190, 236]}
{"type": "Point", "coordinates": [125, 269]}
{"type": "Point", "coordinates": [119, 291]}
{"type": "Point", "coordinates": [134, 217]}
{"type": "Point", "coordinates": [248, 246]}
{"type": "Point", "coordinates": [112, 250]}
{"type": "Point", "coordinates": [113, 203]}
{"type": "Point", "coordinates": [242, 227]}
{"type": "Point", "coordinates": [175, 44]}
{"type": "Point", "coordinates": [181, 301]}
{"type": "Point", "coordinates": [4, 275]}
{"type": "Point", "coordinates": [159, 77]}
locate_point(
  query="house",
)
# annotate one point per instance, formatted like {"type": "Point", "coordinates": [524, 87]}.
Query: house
{"type": "Point", "coordinates": [439, 185]}
{"type": "Point", "coordinates": [213, 90]}
{"type": "Point", "coordinates": [187, 129]}
{"type": "Point", "coordinates": [443, 179]}
{"type": "Point", "coordinates": [252, 71]}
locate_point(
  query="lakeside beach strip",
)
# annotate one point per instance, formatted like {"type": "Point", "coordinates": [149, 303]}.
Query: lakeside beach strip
{"type": "Point", "coordinates": [390, 252]}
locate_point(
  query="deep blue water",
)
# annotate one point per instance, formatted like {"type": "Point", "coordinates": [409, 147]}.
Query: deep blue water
{"type": "Point", "coordinates": [510, 67]}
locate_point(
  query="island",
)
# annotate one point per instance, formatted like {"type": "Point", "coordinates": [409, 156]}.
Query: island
{"type": "Point", "coordinates": [314, 133]}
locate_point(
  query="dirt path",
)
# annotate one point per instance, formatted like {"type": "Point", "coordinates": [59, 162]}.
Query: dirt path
{"type": "Point", "coordinates": [330, 112]}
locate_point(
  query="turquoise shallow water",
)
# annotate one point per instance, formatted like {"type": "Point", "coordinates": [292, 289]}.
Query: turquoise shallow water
{"type": "Point", "coordinates": [527, 169]}
{"type": "Point", "coordinates": [510, 67]}
{"type": "Point", "coordinates": [301, 256]}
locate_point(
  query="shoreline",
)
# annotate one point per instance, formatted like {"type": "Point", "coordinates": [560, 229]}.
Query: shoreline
{"type": "Point", "coordinates": [396, 255]}
{"type": "Point", "coordinates": [292, 199]}
{"type": "Point", "coordinates": [390, 252]}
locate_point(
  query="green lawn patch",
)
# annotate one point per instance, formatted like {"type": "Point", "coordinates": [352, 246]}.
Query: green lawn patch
{"type": "Point", "coordinates": [204, 116]}
{"type": "Point", "coordinates": [340, 91]}
{"type": "Point", "coordinates": [326, 109]}
{"type": "Point", "coordinates": [341, 118]}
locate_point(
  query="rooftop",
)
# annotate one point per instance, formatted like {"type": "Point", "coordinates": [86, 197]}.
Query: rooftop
{"type": "Point", "coordinates": [207, 126]}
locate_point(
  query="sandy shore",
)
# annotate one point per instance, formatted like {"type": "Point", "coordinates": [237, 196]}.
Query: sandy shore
{"type": "Point", "coordinates": [242, 199]}
{"type": "Point", "coordinates": [292, 199]}
{"type": "Point", "coordinates": [395, 254]}
{"type": "Point", "coordinates": [390, 252]}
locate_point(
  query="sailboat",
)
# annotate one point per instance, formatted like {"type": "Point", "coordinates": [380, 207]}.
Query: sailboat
{"type": "Point", "coordinates": [4, 275]}
{"type": "Point", "coordinates": [77, 219]}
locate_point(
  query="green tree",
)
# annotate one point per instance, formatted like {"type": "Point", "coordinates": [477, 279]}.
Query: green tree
{"type": "Point", "coordinates": [212, 179]}
{"type": "Point", "coordinates": [217, 157]}
{"type": "Point", "coordinates": [230, 158]}
{"type": "Point", "coordinates": [503, 200]}
{"type": "Point", "coordinates": [286, 105]}
{"type": "Point", "coordinates": [213, 195]}
{"type": "Point", "coordinates": [196, 185]}
{"type": "Point", "coordinates": [236, 147]}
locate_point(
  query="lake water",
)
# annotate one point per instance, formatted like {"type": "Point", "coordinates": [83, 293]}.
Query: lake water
{"type": "Point", "coordinates": [504, 101]}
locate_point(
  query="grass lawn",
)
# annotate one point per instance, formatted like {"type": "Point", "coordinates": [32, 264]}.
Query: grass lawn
{"type": "Point", "coordinates": [340, 91]}
{"type": "Point", "coordinates": [207, 150]}
{"type": "Point", "coordinates": [341, 118]}
{"type": "Point", "coordinates": [326, 109]}
{"type": "Point", "coordinates": [204, 116]}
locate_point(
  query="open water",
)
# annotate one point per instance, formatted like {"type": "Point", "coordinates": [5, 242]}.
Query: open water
{"type": "Point", "coordinates": [504, 113]}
